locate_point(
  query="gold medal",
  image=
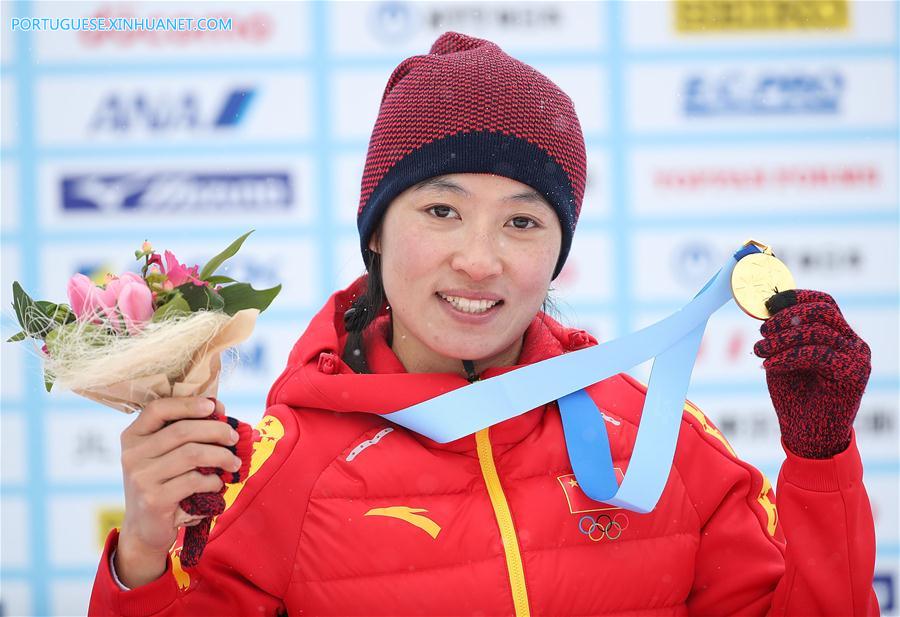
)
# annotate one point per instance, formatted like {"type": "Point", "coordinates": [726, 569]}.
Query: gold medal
{"type": "Point", "coordinates": [756, 278]}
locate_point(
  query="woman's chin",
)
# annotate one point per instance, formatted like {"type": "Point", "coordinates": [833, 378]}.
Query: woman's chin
{"type": "Point", "coordinates": [476, 352]}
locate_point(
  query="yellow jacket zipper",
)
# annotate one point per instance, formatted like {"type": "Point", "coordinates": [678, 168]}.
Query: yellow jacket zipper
{"type": "Point", "coordinates": [504, 521]}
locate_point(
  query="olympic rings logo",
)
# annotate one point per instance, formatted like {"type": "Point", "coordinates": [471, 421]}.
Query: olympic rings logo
{"type": "Point", "coordinates": [604, 526]}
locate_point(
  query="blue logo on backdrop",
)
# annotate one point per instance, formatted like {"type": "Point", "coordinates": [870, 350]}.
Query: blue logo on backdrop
{"type": "Point", "coordinates": [693, 262]}
{"type": "Point", "coordinates": [252, 357]}
{"type": "Point", "coordinates": [393, 22]}
{"type": "Point", "coordinates": [248, 360]}
{"type": "Point", "coordinates": [885, 588]}
{"type": "Point", "coordinates": [257, 192]}
{"type": "Point", "coordinates": [742, 94]}
{"type": "Point", "coordinates": [97, 270]}
{"type": "Point", "coordinates": [119, 113]}
{"type": "Point", "coordinates": [261, 272]}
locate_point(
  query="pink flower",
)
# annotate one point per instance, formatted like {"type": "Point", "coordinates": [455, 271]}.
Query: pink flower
{"type": "Point", "coordinates": [179, 274]}
{"type": "Point", "coordinates": [125, 298]}
{"type": "Point", "coordinates": [82, 293]}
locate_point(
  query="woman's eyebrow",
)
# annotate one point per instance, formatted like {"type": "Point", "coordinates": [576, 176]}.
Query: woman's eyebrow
{"type": "Point", "coordinates": [442, 184]}
{"type": "Point", "coordinates": [529, 197]}
{"type": "Point", "coordinates": [439, 184]}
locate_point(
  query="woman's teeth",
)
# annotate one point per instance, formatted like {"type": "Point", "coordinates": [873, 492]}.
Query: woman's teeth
{"type": "Point", "coordinates": [469, 306]}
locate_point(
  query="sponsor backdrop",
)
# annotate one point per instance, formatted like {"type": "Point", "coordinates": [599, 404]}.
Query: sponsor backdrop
{"type": "Point", "coordinates": [706, 122]}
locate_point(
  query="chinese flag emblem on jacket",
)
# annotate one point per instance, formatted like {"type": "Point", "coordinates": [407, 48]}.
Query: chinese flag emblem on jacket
{"type": "Point", "coordinates": [579, 502]}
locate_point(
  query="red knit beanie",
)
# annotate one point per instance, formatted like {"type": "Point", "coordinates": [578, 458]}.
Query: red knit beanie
{"type": "Point", "coordinates": [468, 107]}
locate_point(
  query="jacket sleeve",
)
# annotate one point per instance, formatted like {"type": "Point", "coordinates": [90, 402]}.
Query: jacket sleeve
{"type": "Point", "coordinates": [243, 569]}
{"type": "Point", "coordinates": [814, 555]}
{"type": "Point", "coordinates": [830, 537]}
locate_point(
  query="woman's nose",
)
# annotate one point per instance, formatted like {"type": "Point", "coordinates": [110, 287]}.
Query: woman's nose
{"type": "Point", "coordinates": [477, 256]}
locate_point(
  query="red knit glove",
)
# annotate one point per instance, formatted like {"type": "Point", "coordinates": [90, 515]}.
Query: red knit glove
{"type": "Point", "coordinates": [816, 368]}
{"type": "Point", "coordinates": [209, 505]}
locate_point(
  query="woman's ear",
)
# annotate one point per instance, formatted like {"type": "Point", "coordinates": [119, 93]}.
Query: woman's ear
{"type": "Point", "coordinates": [375, 241]}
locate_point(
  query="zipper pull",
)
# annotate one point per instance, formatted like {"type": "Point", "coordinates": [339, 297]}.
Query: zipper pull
{"type": "Point", "coordinates": [470, 370]}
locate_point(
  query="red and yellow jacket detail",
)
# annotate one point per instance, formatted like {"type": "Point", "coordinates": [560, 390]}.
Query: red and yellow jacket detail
{"type": "Point", "coordinates": [347, 514]}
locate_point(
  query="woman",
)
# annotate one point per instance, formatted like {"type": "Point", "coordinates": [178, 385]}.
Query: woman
{"type": "Point", "coordinates": [471, 192]}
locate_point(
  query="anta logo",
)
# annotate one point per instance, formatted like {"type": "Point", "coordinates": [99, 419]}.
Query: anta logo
{"type": "Point", "coordinates": [413, 516]}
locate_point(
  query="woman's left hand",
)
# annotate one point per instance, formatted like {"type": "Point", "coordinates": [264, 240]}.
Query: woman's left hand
{"type": "Point", "coordinates": [816, 369]}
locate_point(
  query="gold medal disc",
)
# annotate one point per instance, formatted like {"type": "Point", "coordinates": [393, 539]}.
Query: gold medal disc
{"type": "Point", "coordinates": [756, 278]}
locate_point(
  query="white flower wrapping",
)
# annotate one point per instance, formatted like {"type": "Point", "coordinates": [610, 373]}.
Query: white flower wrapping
{"type": "Point", "coordinates": [138, 338]}
{"type": "Point", "coordinates": [180, 356]}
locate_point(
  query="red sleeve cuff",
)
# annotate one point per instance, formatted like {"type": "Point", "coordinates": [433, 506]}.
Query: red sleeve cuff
{"type": "Point", "coordinates": [842, 471]}
{"type": "Point", "coordinates": [107, 598]}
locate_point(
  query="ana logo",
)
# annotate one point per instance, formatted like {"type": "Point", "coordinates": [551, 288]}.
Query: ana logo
{"type": "Point", "coordinates": [200, 193]}
{"type": "Point", "coordinates": [763, 94]}
{"type": "Point", "coordinates": [166, 113]}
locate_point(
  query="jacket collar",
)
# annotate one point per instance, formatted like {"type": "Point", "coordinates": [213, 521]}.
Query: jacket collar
{"type": "Point", "coordinates": [316, 377]}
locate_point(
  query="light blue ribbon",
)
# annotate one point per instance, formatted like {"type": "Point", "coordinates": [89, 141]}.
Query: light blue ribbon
{"type": "Point", "coordinates": [672, 343]}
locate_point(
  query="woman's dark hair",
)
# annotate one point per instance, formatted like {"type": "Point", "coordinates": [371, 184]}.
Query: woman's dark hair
{"type": "Point", "coordinates": [366, 308]}
{"type": "Point", "coordinates": [361, 313]}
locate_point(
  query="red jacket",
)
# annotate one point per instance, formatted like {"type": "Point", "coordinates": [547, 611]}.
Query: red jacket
{"type": "Point", "coordinates": [345, 513]}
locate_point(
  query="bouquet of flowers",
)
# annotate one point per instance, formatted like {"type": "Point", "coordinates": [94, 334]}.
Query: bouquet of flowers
{"type": "Point", "coordinates": [139, 337]}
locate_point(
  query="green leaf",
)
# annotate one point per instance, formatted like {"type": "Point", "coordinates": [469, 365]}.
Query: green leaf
{"type": "Point", "coordinates": [96, 336]}
{"type": "Point", "coordinates": [212, 265]}
{"type": "Point", "coordinates": [25, 309]}
{"type": "Point", "coordinates": [66, 314]}
{"type": "Point", "coordinates": [21, 336]}
{"type": "Point", "coordinates": [47, 308]}
{"type": "Point", "coordinates": [242, 295]}
{"type": "Point", "coordinates": [48, 382]}
{"type": "Point", "coordinates": [60, 313]}
{"type": "Point", "coordinates": [219, 280]}
{"type": "Point", "coordinates": [50, 341]}
{"type": "Point", "coordinates": [201, 297]}
{"type": "Point", "coordinates": [155, 278]}
{"type": "Point", "coordinates": [176, 306]}
{"type": "Point", "coordinates": [21, 301]}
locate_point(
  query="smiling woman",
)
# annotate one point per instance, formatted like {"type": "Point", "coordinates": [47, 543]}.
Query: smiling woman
{"type": "Point", "coordinates": [470, 196]}
{"type": "Point", "coordinates": [466, 261]}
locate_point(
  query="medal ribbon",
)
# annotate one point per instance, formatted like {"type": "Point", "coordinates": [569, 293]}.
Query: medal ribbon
{"type": "Point", "coordinates": [672, 343]}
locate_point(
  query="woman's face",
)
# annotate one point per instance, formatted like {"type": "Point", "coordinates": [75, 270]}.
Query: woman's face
{"type": "Point", "coordinates": [467, 260]}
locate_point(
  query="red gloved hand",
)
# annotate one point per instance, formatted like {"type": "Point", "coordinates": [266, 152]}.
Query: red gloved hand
{"type": "Point", "coordinates": [209, 505]}
{"type": "Point", "coordinates": [816, 369]}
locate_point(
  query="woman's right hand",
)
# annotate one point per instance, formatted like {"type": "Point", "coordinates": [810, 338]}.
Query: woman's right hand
{"type": "Point", "coordinates": [161, 451]}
